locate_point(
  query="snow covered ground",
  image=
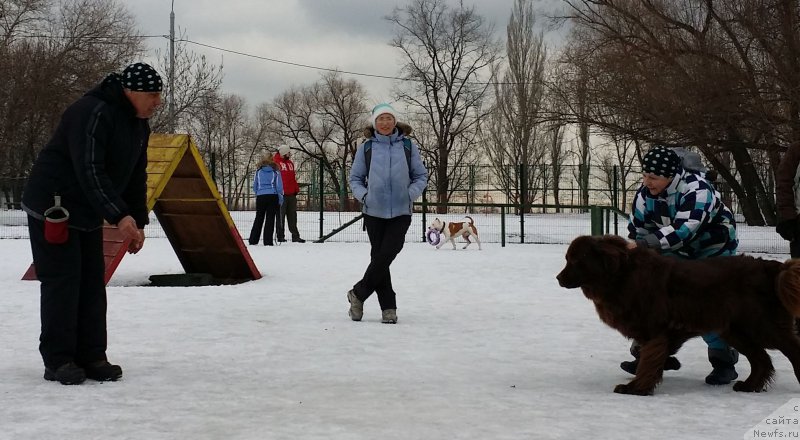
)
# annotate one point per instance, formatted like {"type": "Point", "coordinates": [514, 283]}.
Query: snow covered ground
{"type": "Point", "coordinates": [487, 346]}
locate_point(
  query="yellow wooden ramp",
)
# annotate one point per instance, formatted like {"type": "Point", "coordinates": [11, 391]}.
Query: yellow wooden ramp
{"type": "Point", "coordinates": [191, 211]}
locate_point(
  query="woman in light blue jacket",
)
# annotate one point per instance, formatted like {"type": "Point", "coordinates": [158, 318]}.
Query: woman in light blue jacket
{"type": "Point", "coordinates": [268, 188]}
{"type": "Point", "coordinates": [387, 177]}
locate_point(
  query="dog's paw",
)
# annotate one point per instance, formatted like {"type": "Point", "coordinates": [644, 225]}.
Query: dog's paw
{"type": "Point", "coordinates": [625, 388]}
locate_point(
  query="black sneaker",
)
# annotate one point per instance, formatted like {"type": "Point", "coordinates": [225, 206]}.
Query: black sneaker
{"type": "Point", "coordinates": [629, 366]}
{"type": "Point", "coordinates": [281, 240]}
{"type": "Point", "coordinates": [298, 240]}
{"type": "Point", "coordinates": [103, 371]}
{"type": "Point", "coordinates": [67, 374]}
{"type": "Point", "coordinates": [672, 363]}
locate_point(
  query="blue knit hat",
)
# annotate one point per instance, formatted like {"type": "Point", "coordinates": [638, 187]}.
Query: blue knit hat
{"type": "Point", "coordinates": [661, 161]}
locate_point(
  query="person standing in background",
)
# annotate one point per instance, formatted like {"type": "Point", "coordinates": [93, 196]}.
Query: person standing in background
{"type": "Point", "coordinates": [268, 188]}
{"type": "Point", "coordinates": [290, 190]}
{"type": "Point", "coordinates": [94, 168]}
{"type": "Point", "coordinates": [787, 198]}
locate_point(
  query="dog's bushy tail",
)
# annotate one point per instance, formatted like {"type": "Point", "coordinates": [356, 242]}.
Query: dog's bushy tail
{"type": "Point", "coordinates": [789, 286]}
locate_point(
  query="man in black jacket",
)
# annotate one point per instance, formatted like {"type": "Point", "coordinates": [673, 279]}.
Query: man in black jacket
{"type": "Point", "coordinates": [95, 168]}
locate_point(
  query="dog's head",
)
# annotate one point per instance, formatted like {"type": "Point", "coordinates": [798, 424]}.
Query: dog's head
{"type": "Point", "coordinates": [592, 260]}
{"type": "Point", "coordinates": [437, 224]}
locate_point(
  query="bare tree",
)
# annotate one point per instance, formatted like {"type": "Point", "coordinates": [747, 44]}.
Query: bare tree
{"type": "Point", "coordinates": [21, 15]}
{"type": "Point", "coordinates": [616, 164]}
{"type": "Point", "coordinates": [467, 153]}
{"type": "Point", "coordinates": [518, 139]}
{"type": "Point", "coordinates": [721, 76]}
{"type": "Point", "coordinates": [557, 156]}
{"type": "Point", "coordinates": [342, 103]}
{"type": "Point", "coordinates": [53, 53]}
{"type": "Point", "coordinates": [449, 54]}
{"type": "Point", "coordinates": [204, 126]}
{"type": "Point", "coordinates": [197, 81]}
{"type": "Point", "coordinates": [237, 144]}
{"type": "Point", "coordinates": [323, 121]}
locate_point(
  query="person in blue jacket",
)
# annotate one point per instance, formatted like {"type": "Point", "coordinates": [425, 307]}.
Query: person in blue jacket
{"type": "Point", "coordinates": [268, 188]}
{"type": "Point", "coordinates": [679, 213]}
{"type": "Point", "coordinates": [387, 187]}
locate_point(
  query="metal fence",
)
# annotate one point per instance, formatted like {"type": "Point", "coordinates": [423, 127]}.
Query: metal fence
{"type": "Point", "coordinates": [478, 188]}
{"type": "Point", "coordinates": [481, 186]}
{"type": "Point", "coordinates": [543, 219]}
{"type": "Point", "coordinates": [507, 228]}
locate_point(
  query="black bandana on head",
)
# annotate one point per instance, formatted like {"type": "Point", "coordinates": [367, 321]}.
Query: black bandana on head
{"type": "Point", "coordinates": [661, 161]}
{"type": "Point", "coordinates": [140, 77]}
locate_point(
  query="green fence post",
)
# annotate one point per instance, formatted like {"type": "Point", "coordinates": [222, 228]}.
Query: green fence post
{"type": "Point", "coordinates": [502, 226]}
{"type": "Point", "coordinates": [321, 198]}
{"type": "Point", "coordinates": [596, 215]}
{"type": "Point", "coordinates": [471, 194]}
{"type": "Point", "coordinates": [424, 213]}
{"type": "Point", "coordinates": [342, 189]}
{"type": "Point", "coordinates": [523, 173]}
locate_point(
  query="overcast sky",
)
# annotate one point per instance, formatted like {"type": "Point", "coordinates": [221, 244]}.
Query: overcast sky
{"type": "Point", "coordinates": [349, 35]}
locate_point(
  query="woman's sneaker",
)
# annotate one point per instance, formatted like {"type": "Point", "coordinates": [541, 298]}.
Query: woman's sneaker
{"type": "Point", "coordinates": [389, 316]}
{"type": "Point", "coordinates": [356, 306]}
{"type": "Point", "coordinates": [67, 374]}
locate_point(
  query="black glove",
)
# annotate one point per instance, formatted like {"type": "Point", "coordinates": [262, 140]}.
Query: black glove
{"type": "Point", "coordinates": [787, 229]}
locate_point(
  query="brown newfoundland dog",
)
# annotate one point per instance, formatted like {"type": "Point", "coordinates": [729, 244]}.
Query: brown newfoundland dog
{"type": "Point", "coordinates": [664, 301]}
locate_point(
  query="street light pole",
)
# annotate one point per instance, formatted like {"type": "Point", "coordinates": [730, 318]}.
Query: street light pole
{"type": "Point", "coordinates": [171, 98]}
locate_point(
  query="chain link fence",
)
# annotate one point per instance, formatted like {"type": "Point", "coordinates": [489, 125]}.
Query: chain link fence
{"type": "Point", "coordinates": [547, 212]}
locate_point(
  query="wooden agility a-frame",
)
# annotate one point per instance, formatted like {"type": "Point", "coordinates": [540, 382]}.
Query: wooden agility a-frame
{"type": "Point", "coordinates": [191, 212]}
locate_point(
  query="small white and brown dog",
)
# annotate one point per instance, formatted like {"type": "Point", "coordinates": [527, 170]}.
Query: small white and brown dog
{"type": "Point", "coordinates": [451, 230]}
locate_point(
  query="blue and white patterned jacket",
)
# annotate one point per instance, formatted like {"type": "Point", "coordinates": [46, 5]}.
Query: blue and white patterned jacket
{"type": "Point", "coordinates": [688, 219]}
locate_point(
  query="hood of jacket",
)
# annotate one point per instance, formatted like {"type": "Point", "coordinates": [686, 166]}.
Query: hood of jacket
{"type": "Point", "coordinates": [404, 128]}
{"type": "Point", "coordinates": [110, 91]}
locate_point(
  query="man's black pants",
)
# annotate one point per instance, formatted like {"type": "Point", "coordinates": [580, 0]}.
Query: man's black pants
{"type": "Point", "coordinates": [288, 217]}
{"type": "Point", "coordinates": [73, 296]}
{"type": "Point", "coordinates": [386, 238]}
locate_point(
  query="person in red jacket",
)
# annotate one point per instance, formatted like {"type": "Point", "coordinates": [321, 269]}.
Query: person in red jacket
{"type": "Point", "coordinates": [290, 191]}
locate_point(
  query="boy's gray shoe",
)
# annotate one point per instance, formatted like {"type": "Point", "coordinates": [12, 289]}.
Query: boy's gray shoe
{"type": "Point", "coordinates": [389, 316]}
{"type": "Point", "coordinates": [356, 306]}
{"type": "Point", "coordinates": [723, 361]}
